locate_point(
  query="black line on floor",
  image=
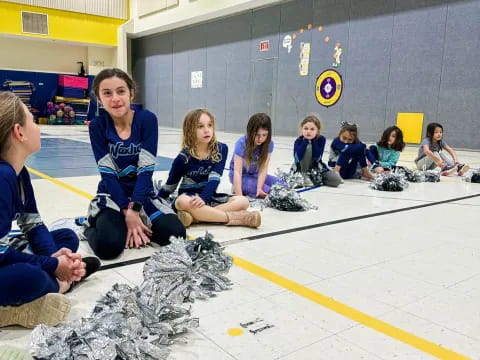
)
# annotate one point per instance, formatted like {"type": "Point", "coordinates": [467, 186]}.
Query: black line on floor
{"type": "Point", "coordinates": [302, 228]}
{"type": "Point", "coordinates": [123, 263]}
{"type": "Point", "coordinates": [339, 221]}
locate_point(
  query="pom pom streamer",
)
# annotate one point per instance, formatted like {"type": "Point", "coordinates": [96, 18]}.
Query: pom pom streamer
{"type": "Point", "coordinates": [389, 182]}
{"type": "Point", "coordinates": [137, 323]}
{"type": "Point", "coordinates": [285, 198]}
{"type": "Point", "coordinates": [473, 176]}
{"type": "Point", "coordinates": [398, 179]}
{"type": "Point", "coordinates": [418, 175]}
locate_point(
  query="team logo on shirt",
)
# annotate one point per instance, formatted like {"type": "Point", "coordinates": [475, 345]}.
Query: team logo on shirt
{"type": "Point", "coordinates": [118, 149]}
{"type": "Point", "coordinates": [200, 171]}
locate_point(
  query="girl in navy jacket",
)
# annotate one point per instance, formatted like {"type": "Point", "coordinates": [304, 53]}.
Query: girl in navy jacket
{"type": "Point", "coordinates": [347, 154]}
{"type": "Point", "coordinates": [30, 283]}
{"type": "Point", "coordinates": [308, 151]}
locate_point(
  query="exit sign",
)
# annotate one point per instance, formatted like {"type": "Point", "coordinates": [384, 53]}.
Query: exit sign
{"type": "Point", "coordinates": [264, 45]}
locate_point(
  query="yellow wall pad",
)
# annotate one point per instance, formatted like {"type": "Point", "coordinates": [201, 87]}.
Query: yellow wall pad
{"type": "Point", "coordinates": [62, 25]}
{"type": "Point", "coordinates": [412, 126]}
{"type": "Point", "coordinates": [329, 303]}
{"type": "Point", "coordinates": [351, 313]}
{"type": "Point", "coordinates": [62, 184]}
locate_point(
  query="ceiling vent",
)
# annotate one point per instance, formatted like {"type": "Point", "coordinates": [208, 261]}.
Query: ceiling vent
{"type": "Point", "coordinates": [34, 23]}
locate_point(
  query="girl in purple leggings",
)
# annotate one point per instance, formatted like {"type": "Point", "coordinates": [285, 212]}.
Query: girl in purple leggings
{"type": "Point", "coordinates": [249, 165]}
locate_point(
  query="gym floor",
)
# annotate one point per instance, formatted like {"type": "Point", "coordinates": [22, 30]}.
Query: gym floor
{"type": "Point", "coordinates": [369, 275]}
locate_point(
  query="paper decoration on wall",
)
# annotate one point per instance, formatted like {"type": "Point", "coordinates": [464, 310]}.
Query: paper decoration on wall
{"type": "Point", "coordinates": [304, 58]}
{"type": "Point", "coordinates": [327, 39]}
{"type": "Point", "coordinates": [320, 28]}
{"type": "Point", "coordinates": [294, 36]}
{"type": "Point", "coordinates": [328, 88]}
{"type": "Point", "coordinates": [287, 43]}
{"type": "Point", "coordinates": [196, 79]}
{"type": "Point", "coordinates": [264, 45]}
{"type": "Point", "coordinates": [301, 31]}
{"type": "Point", "coordinates": [309, 26]}
{"type": "Point", "coordinates": [336, 55]}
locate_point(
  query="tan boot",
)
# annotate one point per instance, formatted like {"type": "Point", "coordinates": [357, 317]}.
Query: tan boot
{"type": "Point", "coordinates": [50, 309]}
{"type": "Point", "coordinates": [185, 218]}
{"type": "Point", "coordinates": [244, 218]}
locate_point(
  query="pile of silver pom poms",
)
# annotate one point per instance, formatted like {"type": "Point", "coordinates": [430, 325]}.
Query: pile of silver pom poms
{"type": "Point", "coordinates": [282, 196]}
{"type": "Point", "coordinates": [137, 323]}
{"type": "Point", "coordinates": [473, 176]}
{"type": "Point", "coordinates": [398, 179]}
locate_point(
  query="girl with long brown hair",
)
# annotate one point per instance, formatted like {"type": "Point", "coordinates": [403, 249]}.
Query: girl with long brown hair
{"type": "Point", "coordinates": [251, 157]}
{"type": "Point", "coordinates": [126, 212]}
{"type": "Point", "coordinates": [198, 169]}
{"type": "Point", "coordinates": [385, 154]}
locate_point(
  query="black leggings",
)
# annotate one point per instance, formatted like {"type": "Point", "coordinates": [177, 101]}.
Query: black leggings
{"type": "Point", "coordinates": [107, 234]}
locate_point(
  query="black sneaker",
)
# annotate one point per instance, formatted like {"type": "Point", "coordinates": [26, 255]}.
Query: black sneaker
{"type": "Point", "coordinates": [448, 170]}
{"type": "Point", "coordinates": [462, 169]}
{"type": "Point", "coordinates": [92, 265]}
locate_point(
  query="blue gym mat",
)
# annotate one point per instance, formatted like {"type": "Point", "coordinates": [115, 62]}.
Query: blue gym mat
{"type": "Point", "coordinates": [61, 157]}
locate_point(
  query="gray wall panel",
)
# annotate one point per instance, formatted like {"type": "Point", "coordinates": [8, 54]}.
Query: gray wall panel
{"type": "Point", "coordinates": [265, 26]}
{"type": "Point", "coordinates": [291, 98]}
{"type": "Point", "coordinates": [228, 45]}
{"type": "Point", "coordinates": [237, 96]}
{"type": "Point", "coordinates": [261, 95]}
{"type": "Point", "coordinates": [237, 47]}
{"type": "Point", "coordinates": [333, 16]}
{"type": "Point", "coordinates": [189, 55]}
{"type": "Point", "coordinates": [368, 55]}
{"type": "Point", "coordinates": [398, 56]}
{"type": "Point", "coordinates": [458, 104]}
{"type": "Point", "coordinates": [165, 85]}
{"type": "Point", "coordinates": [152, 70]}
{"type": "Point", "coordinates": [416, 62]}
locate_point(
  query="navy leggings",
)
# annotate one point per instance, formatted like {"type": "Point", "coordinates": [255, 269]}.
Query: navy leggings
{"type": "Point", "coordinates": [21, 283]}
{"type": "Point", "coordinates": [107, 234]}
{"type": "Point", "coordinates": [349, 163]}
{"type": "Point", "coordinates": [372, 154]}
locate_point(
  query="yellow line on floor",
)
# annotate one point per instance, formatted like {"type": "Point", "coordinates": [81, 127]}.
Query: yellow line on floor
{"type": "Point", "coordinates": [329, 303]}
{"type": "Point", "coordinates": [60, 183]}
{"type": "Point", "coordinates": [351, 313]}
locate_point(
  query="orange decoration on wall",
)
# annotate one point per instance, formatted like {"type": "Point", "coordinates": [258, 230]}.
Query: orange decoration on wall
{"type": "Point", "coordinates": [302, 31]}
{"type": "Point", "coordinates": [309, 26]}
{"type": "Point", "coordinates": [294, 36]}
{"type": "Point", "coordinates": [320, 28]}
{"type": "Point", "coordinates": [327, 39]}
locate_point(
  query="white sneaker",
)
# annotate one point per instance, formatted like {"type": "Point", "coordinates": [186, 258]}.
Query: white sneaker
{"type": "Point", "coordinates": [74, 224]}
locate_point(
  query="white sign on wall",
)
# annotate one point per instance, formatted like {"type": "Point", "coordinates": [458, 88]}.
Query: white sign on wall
{"type": "Point", "coordinates": [196, 79]}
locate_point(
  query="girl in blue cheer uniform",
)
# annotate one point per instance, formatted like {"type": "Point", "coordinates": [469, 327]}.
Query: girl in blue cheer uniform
{"type": "Point", "coordinates": [30, 283]}
{"type": "Point", "coordinates": [199, 167]}
{"type": "Point", "coordinates": [126, 212]}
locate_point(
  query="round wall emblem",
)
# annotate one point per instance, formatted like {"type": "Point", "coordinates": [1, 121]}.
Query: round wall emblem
{"type": "Point", "coordinates": [328, 87]}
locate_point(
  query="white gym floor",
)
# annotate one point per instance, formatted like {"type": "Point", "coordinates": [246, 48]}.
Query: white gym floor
{"type": "Point", "coordinates": [369, 275]}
